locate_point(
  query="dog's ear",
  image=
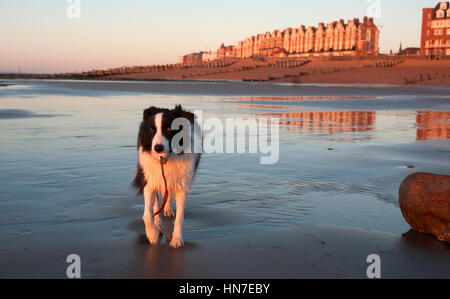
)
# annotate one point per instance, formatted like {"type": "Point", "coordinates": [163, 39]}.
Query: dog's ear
{"type": "Point", "coordinates": [178, 112]}
{"type": "Point", "coordinates": [149, 112]}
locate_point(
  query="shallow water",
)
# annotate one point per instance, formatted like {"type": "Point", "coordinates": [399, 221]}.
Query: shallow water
{"type": "Point", "coordinates": [68, 155]}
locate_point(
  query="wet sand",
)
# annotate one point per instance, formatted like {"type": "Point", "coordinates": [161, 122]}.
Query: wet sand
{"type": "Point", "coordinates": [306, 252]}
{"type": "Point", "coordinates": [68, 156]}
{"type": "Point", "coordinates": [220, 88]}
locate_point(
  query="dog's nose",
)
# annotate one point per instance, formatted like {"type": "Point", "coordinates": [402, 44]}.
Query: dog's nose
{"type": "Point", "coordinates": [159, 148]}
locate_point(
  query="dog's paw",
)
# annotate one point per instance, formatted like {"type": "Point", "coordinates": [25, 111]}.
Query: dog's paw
{"type": "Point", "coordinates": [168, 213]}
{"type": "Point", "coordinates": [176, 243]}
{"type": "Point", "coordinates": [153, 235]}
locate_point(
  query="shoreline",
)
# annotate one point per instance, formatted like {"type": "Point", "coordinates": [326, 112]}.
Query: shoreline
{"type": "Point", "coordinates": [223, 88]}
{"type": "Point", "coordinates": [256, 81]}
{"type": "Point", "coordinates": [131, 80]}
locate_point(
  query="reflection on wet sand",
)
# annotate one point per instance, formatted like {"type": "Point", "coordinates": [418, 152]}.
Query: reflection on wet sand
{"type": "Point", "coordinates": [160, 260]}
{"type": "Point", "coordinates": [433, 125]}
{"type": "Point", "coordinates": [251, 106]}
{"type": "Point", "coordinates": [18, 113]}
{"type": "Point", "coordinates": [305, 98]}
{"type": "Point", "coordinates": [327, 122]}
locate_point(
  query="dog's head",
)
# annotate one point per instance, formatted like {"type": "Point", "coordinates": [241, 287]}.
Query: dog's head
{"type": "Point", "coordinates": [156, 131]}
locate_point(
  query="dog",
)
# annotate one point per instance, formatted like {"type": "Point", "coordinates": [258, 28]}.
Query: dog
{"type": "Point", "coordinates": [160, 162]}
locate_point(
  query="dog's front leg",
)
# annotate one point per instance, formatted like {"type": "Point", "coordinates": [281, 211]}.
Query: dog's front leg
{"type": "Point", "coordinates": [177, 236]}
{"type": "Point", "coordinates": [168, 209]}
{"type": "Point", "coordinates": [157, 219]}
{"type": "Point", "coordinates": [151, 230]}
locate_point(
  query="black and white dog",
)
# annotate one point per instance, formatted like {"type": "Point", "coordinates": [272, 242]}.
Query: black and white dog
{"type": "Point", "coordinates": [155, 147]}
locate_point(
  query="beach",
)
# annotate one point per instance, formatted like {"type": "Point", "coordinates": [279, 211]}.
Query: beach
{"type": "Point", "coordinates": [296, 253]}
{"type": "Point", "coordinates": [391, 70]}
{"type": "Point", "coordinates": [388, 70]}
{"type": "Point", "coordinates": [69, 154]}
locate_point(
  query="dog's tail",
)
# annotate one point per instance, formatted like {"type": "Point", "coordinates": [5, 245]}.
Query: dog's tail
{"type": "Point", "coordinates": [139, 181]}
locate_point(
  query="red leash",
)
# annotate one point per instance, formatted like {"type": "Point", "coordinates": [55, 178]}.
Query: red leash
{"type": "Point", "coordinates": [166, 192]}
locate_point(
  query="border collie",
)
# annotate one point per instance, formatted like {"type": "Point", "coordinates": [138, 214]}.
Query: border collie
{"type": "Point", "coordinates": [164, 170]}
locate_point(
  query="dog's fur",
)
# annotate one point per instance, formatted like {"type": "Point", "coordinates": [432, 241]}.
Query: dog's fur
{"type": "Point", "coordinates": [179, 169]}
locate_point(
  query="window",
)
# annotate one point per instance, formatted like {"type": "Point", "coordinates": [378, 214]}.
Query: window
{"type": "Point", "coordinates": [438, 32]}
{"type": "Point", "coordinates": [437, 24]}
{"type": "Point", "coordinates": [428, 32]}
{"type": "Point", "coordinates": [440, 14]}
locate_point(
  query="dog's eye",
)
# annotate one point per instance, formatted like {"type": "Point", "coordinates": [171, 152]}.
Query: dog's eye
{"type": "Point", "coordinates": [153, 129]}
{"type": "Point", "coordinates": [169, 130]}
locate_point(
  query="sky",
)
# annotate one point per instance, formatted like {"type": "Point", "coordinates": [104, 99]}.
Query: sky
{"type": "Point", "coordinates": [40, 36]}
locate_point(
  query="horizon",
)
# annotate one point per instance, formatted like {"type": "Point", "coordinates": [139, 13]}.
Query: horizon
{"type": "Point", "coordinates": [41, 38]}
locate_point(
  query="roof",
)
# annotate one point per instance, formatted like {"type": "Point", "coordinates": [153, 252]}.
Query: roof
{"type": "Point", "coordinates": [438, 6]}
{"type": "Point", "coordinates": [303, 29]}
